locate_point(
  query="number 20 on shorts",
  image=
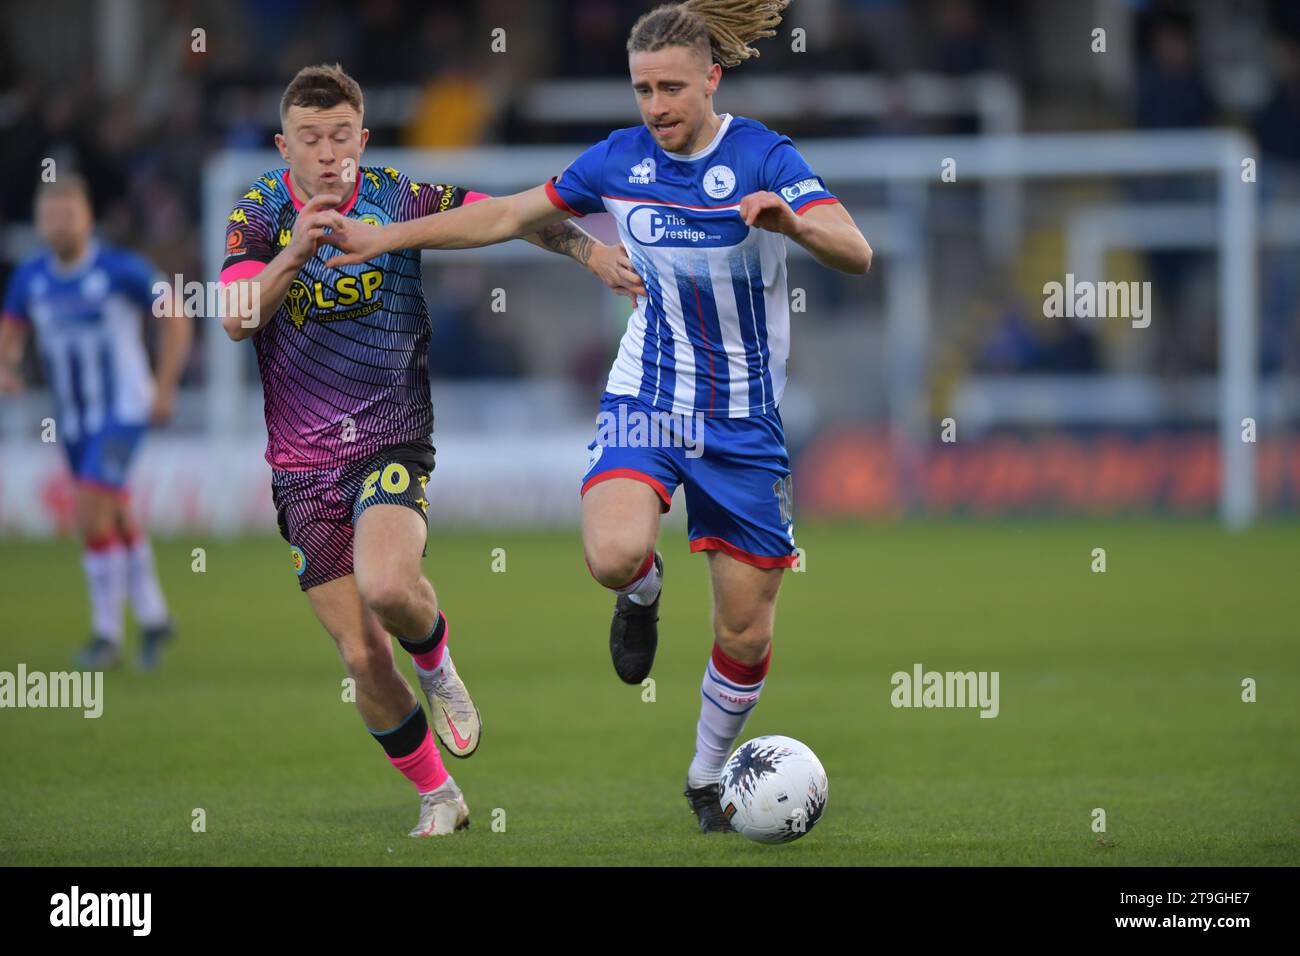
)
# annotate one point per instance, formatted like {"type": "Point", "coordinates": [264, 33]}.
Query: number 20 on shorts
{"type": "Point", "coordinates": [394, 479]}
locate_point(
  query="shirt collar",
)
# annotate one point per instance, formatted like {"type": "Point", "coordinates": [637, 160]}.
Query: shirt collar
{"type": "Point", "coordinates": [713, 144]}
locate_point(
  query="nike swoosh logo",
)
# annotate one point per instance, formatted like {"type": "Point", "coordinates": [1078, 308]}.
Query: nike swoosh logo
{"type": "Point", "coordinates": [461, 742]}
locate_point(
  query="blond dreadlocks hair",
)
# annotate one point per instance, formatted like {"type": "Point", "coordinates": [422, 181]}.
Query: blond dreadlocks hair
{"type": "Point", "coordinates": [723, 29]}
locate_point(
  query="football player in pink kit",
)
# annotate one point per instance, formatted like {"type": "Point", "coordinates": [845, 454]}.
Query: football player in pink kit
{"type": "Point", "coordinates": [343, 356]}
{"type": "Point", "coordinates": [704, 204]}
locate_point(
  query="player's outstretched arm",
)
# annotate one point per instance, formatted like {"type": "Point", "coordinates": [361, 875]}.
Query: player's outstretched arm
{"type": "Point", "coordinates": [610, 264]}
{"type": "Point", "coordinates": [565, 239]}
{"type": "Point", "coordinates": [174, 342]}
{"type": "Point", "coordinates": [482, 223]}
{"type": "Point", "coordinates": [826, 230]}
{"type": "Point", "coordinates": [253, 306]}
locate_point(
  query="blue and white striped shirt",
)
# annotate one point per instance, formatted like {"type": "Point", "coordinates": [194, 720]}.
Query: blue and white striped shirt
{"type": "Point", "coordinates": [87, 323]}
{"type": "Point", "coordinates": [714, 334]}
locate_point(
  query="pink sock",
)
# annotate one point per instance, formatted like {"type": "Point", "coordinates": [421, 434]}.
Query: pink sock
{"type": "Point", "coordinates": [423, 766]}
{"type": "Point", "coordinates": [432, 659]}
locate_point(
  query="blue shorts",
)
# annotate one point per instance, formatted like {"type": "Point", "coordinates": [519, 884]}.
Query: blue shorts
{"type": "Point", "coordinates": [736, 472]}
{"type": "Point", "coordinates": [104, 457]}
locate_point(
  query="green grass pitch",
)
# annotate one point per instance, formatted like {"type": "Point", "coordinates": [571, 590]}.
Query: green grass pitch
{"type": "Point", "coordinates": [1119, 690]}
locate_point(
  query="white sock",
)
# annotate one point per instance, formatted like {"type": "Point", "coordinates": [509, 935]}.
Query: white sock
{"type": "Point", "coordinates": [448, 784]}
{"type": "Point", "coordinates": [723, 712]}
{"type": "Point", "coordinates": [106, 574]}
{"type": "Point", "coordinates": [438, 671]}
{"type": "Point", "coordinates": [444, 658]}
{"type": "Point", "coordinates": [142, 585]}
{"type": "Point", "coordinates": [645, 590]}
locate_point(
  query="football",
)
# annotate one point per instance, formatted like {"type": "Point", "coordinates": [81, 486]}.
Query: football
{"type": "Point", "coordinates": [774, 789]}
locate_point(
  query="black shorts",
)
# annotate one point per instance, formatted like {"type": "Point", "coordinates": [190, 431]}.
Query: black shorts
{"type": "Point", "coordinates": [318, 509]}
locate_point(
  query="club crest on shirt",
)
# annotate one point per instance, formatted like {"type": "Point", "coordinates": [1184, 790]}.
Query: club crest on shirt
{"type": "Point", "coordinates": [643, 173]}
{"type": "Point", "coordinates": [95, 284]}
{"type": "Point", "coordinates": [719, 181]}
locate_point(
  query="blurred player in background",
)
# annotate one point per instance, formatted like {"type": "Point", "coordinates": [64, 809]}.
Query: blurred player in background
{"type": "Point", "coordinates": [84, 301]}
{"type": "Point", "coordinates": [343, 356]}
{"type": "Point", "coordinates": [704, 204]}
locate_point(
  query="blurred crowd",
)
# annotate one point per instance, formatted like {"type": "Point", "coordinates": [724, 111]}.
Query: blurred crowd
{"type": "Point", "coordinates": [142, 135]}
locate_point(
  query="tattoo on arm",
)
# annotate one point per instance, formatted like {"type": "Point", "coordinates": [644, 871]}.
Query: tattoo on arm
{"type": "Point", "coordinates": [566, 239]}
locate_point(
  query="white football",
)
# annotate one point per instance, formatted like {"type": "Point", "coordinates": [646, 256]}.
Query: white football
{"type": "Point", "coordinates": [774, 789]}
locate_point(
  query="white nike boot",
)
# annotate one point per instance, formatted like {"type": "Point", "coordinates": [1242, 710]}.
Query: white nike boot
{"type": "Point", "coordinates": [455, 718]}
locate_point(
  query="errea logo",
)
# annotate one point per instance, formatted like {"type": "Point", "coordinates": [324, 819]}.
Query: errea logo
{"type": "Point", "coordinates": [643, 173]}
